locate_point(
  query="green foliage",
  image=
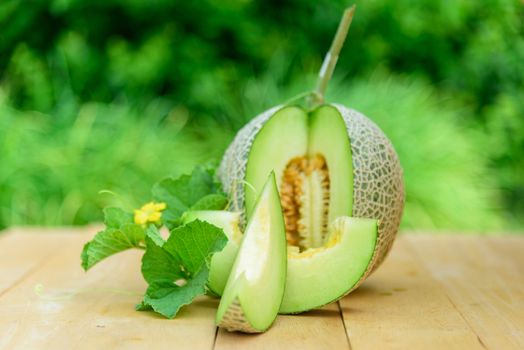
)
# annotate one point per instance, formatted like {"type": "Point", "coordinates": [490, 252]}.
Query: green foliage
{"type": "Point", "coordinates": [175, 269]}
{"type": "Point", "coordinates": [100, 50]}
{"type": "Point", "coordinates": [197, 191]}
{"type": "Point", "coordinates": [120, 234]}
{"type": "Point", "coordinates": [93, 94]}
{"type": "Point", "coordinates": [53, 166]}
{"type": "Point", "coordinates": [448, 182]}
{"type": "Point", "coordinates": [504, 143]}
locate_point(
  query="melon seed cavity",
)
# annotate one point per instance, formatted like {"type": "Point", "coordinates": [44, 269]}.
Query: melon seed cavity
{"type": "Point", "coordinates": [304, 192]}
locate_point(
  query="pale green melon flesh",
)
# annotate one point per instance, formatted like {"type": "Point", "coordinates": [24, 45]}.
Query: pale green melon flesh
{"type": "Point", "coordinates": [294, 133]}
{"type": "Point", "coordinates": [324, 275]}
{"type": "Point", "coordinates": [328, 136]}
{"type": "Point", "coordinates": [258, 275]}
{"type": "Point", "coordinates": [222, 262]}
{"type": "Point", "coordinates": [282, 138]}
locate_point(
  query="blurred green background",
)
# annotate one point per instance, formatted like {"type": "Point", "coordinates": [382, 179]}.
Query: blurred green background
{"type": "Point", "coordinates": [116, 94]}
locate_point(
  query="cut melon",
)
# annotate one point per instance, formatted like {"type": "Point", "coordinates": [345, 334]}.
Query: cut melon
{"type": "Point", "coordinates": [329, 162]}
{"type": "Point", "coordinates": [328, 138]}
{"type": "Point", "coordinates": [304, 149]}
{"type": "Point", "coordinates": [318, 276]}
{"type": "Point", "coordinates": [221, 262]}
{"type": "Point", "coordinates": [338, 176]}
{"type": "Point", "coordinates": [254, 289]}
{"type": "Point", "coordinates": [277, 146]}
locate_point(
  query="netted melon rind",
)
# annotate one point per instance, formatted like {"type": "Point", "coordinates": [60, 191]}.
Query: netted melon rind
{"type": "Point", "coordinates": [378, 181]}
{"type": "Point", "coordinates": [378, 186]}
{"type": "Point", "coordinates": [234, 319]}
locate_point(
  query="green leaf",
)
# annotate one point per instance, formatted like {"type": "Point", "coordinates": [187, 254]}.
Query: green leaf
{"type": "Point", "coordinates": [111, 241]}
{"type": "Point", "coordinates": [168, 298]}
{"type": "Point", "coordinates": [160, 266]}
{"type": "Point", "coordinates": [177, 269]}
{"type": "Point", "coordinates": [183, 193]}
{"type": "Point", "coordinates": [194, 242]}
{"type": "Point", "coordinates": [116, 217]}
{"type": "Point", "coordinates": [154, 234]}
{"type": "Point", "coordinates": [142, 306]}
{"type": "Point", "coordinates": [211, 202]}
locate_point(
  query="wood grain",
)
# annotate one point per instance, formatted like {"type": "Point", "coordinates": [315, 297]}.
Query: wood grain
{"type": "Point", "coordinates": [509, 248]}
{"type": "Point", "coordinates": [23, 250]}
{"type": "Point", "coordinates": [485, 286]}
{"type": "Point", "coordinates": [401, 307]}
{"type": "Point", "coordinates": [95, 310]}
{"type": "Point", "coordinates": [433, 292]}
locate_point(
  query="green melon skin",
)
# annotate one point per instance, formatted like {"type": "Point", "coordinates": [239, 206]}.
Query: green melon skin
{"type": "Point", "coordinates": [255, 286]}
{"type": "Point", "coordinates": [376, 182]}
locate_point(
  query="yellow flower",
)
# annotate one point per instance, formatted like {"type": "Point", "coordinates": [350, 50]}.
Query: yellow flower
{"type": "Point", "coordinates": [150, 212]}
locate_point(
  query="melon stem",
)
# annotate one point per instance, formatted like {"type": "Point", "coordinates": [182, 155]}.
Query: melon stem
{"type": "Point", "coordinates": [330, 61]}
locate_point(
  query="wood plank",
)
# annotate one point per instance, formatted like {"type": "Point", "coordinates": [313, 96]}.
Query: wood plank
{"type": "Point", "coordinates": [433, 292]}
{"type": "Point", "coordinates": [510, 247]}
{"type": "Point", "coordinates": [95, 310]}
{"type": "Point", "coordinates": [485, 285]}
{"type": "Point", "coordinates": [316, 330]}
{"type": "Point", "coordinates": [402, 307]}
{"type": "Point", "coordinates": [22, 250]}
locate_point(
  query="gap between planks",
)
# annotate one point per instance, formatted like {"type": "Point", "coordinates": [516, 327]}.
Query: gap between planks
{"type": "Point", "coordinates": [344, 324]}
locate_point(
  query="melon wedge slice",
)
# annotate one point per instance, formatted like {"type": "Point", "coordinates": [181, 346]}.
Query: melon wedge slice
{"type": "Point", "coordinates": [319, 276]}
{"type": "Point", "coordinates": [255, 286]}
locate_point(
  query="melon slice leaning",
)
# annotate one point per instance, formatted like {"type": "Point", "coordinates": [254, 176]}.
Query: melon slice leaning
{"type": "Point", "coordinates": [254, 289]}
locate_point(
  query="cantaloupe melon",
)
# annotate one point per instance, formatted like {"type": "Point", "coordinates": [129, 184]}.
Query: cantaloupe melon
{"type": "Point", "coordinates": [373, 188]}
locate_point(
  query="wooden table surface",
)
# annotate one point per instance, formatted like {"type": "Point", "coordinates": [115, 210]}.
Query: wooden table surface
{"type": "Point", "coordinates": [433, 292]}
